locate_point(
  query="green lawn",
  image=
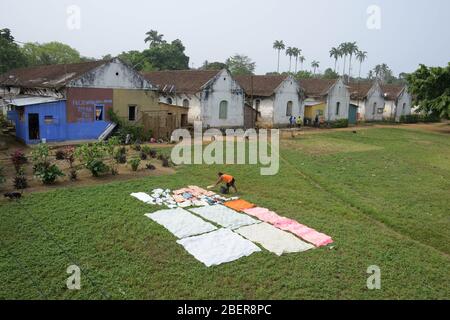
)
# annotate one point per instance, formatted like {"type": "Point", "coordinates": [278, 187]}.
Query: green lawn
{"type": "Point", "coordinates": [382, 194]}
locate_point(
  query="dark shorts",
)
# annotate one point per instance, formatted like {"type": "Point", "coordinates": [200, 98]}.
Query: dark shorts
{"type": "Point", "coordinates": [231, 184]}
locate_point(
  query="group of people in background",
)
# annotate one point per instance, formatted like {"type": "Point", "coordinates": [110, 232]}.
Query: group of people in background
{"type": "Point", "coordinates": [295, 121]}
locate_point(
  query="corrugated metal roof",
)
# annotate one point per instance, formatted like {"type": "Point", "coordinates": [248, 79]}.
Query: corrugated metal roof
{"type": "Point", "coordinates": [21, 101]}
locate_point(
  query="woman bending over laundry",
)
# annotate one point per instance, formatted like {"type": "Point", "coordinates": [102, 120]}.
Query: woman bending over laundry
{"type": "Point", "coordinates": [228, 180]}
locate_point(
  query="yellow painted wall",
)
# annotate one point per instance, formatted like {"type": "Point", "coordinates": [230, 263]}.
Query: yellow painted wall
{"type": "Point", "coordinates": [310, 111]}
{"type": "Point", "coordinates": [145, 100]}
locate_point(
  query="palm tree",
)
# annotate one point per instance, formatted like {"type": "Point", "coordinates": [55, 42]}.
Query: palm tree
{"type": "Point", "coordinates": [335, 53]}
{"type": "Point", "coordinates": [296, 55]}
{"type": "Point", "coordinates": [343, 48]}
{"type": "Point", "coordinates": [154, 38]}
{"type": "Point", "coordinates": [352, 49]}
{"type": "Point", "coordinates": [279, 45]}
{"type": "Point", "coordinates": [290, 53]}
{"type": "Point", "coordinates": [361, 56]}
{"type": "Point", "coordinates": [301, 59]}
{"type": "Point", "coordinates": [315, 65]}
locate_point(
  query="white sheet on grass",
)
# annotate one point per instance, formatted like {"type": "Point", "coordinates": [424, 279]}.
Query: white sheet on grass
{"type": "Point", "coordinates": [218, 247]}
{"type": "Point", "coordinates": [181, 223]}
{"type": "Point", "coordinates": [143, 197]}
{"type": "Point", "coordinates": [224, 216]}
{"type": "Point", "coordinates": [274, 239]}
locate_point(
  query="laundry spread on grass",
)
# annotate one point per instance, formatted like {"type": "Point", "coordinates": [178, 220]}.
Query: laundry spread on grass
{"type": "Point", "coordinates": [198, 230]}
{"type": "Point", "coordinates": [239, 205]}
{"type": "Point", "coordinates": [218, 247]}
{"type": "Point", "coordinates": [274, 239]}
{"type": "Point", "coordinates": [181, 223]}
{"type": "Point", "coordinates": [302, 231]}
{"type": "Point", "coordinates": [224, 216]}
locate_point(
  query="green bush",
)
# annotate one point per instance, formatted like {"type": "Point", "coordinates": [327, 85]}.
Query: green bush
{"type": "Point", "coordinates": [48, 173]}
{"type": "Point", "coordinates": [20, 180]}
{"type": "Point", "coordinates": [136, 132]}
{"type": "Point", "coordinates": [91, 156]}
{"type": "Point", "coordinates": [134, 163]}
{"type": "Point", "coordinates": [341, 123]}
{"type": "Point", "coordinates": [2, 175]}
{"type": "Point", "coordinates": [410, 118]}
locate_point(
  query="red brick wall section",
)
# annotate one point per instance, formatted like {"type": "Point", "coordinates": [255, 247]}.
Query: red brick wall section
{"type": "Point", "coordinates": [81, 103]}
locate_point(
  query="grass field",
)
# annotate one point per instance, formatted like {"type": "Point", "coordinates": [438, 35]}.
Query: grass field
{"type": "Point", "coordinates": [382, 194]}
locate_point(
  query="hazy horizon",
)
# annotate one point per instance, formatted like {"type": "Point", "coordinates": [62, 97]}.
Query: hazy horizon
{"type": "Point", "coordinates": [411, 32]}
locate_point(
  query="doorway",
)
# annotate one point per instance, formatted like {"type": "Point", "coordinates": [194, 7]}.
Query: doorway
{"type": "Point", "coordinates": [33, 126]}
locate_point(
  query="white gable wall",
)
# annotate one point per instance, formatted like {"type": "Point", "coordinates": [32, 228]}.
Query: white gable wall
{"type": "Point", "coordinates": [404, 105]}
{"type": "Point", "coordinates": [337, 93]}
{"type": "Point", "coordinates": [286, 92]}
{"type": "Point", "coordinates": [265, 118]}
{"type": "Point", "coordinates": [375, 104]}
{"type": "Point", "coordinates": [112, 75]}
{"type": "Point", "coordinates": [222, 88]}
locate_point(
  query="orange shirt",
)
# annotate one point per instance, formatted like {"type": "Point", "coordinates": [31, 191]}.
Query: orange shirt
{"type": "Point", "coordinates": [227, 178]}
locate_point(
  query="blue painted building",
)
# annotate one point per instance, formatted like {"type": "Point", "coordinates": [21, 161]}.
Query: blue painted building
{"type": "Point", "coordinates": [38, 119]}
{"type": "Point", "coordinates": [68, 102]}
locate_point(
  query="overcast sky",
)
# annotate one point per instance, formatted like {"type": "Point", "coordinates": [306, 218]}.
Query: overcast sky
{"type": "Point", "coordinates": [411, 31]}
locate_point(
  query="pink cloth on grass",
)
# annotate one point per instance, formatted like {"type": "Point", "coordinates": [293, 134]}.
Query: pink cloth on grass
{"type": "Point", "coordinates": [316, 238]}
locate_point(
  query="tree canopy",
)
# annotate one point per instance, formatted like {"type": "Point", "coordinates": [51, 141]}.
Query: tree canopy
{"type": "Point", "coordinates": [50, 53]}
{"type": "Point", "coordinates": [240, 64]}
{"type": "Point", "coordinates": [10, 54]}
{"type": "Point", "coordinates": [430, 88]}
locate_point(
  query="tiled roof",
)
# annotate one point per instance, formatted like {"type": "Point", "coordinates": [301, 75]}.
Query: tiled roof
{"type": "Point", "coordinates": [263, 86]}
{"type": "Point", "coordinates": [180, 81]}
{"type": "Point", "coordinates": [51, 76]}
{"type": "Point", "coordinates": [391, 91]}
{"type": "Point", "coordinates": [316, 87]}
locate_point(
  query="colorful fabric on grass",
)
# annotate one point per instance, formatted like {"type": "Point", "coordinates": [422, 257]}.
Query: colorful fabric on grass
{"type": "Point", "coordinates": [239, 205]}
{"type": "Point", "coordinates": [224, 216]}
{"type": "Point", "coordinates": [286, 224]}
{"type": "Point", "coordinates": [181, 223]}
{"type": "Point", "coordinates": [218, 247]}
{"type": "Point", "coordinates": [273, 239]}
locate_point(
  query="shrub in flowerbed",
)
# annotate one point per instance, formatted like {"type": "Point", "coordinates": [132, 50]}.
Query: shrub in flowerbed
{"type": "Point", "coordinates": [60, 155]}
{"type": "Point", "coordinates": [20, 180]}
{"type": "Point", "coordinates": [18, 159]}
{"type": "Point", "coordinates": [42, 168]}
{"type": "Point", "coordinates": [91, 156]}
{"type": "Point", "coordinates": [134, 163]}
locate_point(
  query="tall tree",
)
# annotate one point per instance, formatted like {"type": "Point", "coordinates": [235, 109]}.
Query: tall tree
{"type": "Point", "coordinates": [154, 38]}
{"type": "Point", "coordinates": [50, 53]}
{"type": "Point", "coordinates": [290, 53]}
{"type": "Point", "coordinates": [430, 88]}
{"type": "Point", "coordinates": [296, 55]}
{"type": "Point", "coordinates": [279, 45]}
{"type": "Point", "coordinates": [315, 65]}
{"type": "Point", "coordinates": [352, 48]}
{"type": "Point", "coordinates": [167, 56]}
{"type": "Point", "coordinates": [302, 59]}
{"type": "Point", "coordinates": [335, 54]}
{"type": "Point", "coordinates": [11, 56]}
{"type": "Point", "coordinates": [361, 56]}
{"type": "Point", "coordinates": [343, 48]}
{"type": "Point", "coordinates": [213, 65]}
{"type": "Point", "coordinates": [240, 64]}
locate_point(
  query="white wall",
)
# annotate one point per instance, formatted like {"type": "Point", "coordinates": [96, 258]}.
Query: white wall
{"type": "Point", "coordinates": [265, 119]}
{"type": "Point", "coordinates": [194, 113]}
{"type": "Point", "coordinates": [222, 88]}
{"type": "Point", "coordinates": [404, 105]}
{"type": "Point", "coordinates": [287, 91]}
{"type": "Point", "coordinates": [374, 96]}
{"type": "Point", "coordinates": [114, 75]}
{"type": "Point", "coordinates": [337, 93]}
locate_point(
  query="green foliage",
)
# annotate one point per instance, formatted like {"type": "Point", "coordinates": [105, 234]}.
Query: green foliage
{"type": "Point", "coordinates": [60, 155]}
{"type": "Point", "coordinates": [134, 163]}
{"type": "Point", "coordinates": [430, 88]}
{"type": "Point", "coordinates": [50, 53]}
{"type": "Point", "coordinates": [40, 153]}
{"type": "Point", "coordinates": [136, 132]}
{"type": "Point", "coordinates": [213, 66]}
{"type": "Point", "coordinates": [240, 65]}
{"type": "Point", "coordinates": [330, 74]}
{"type": "Point", "coordinates": [3, 121]}
{"type": "Point", "coordinates": [48, 173]}
{"type": "Point", "coordinates": [303, 75]}
{"type": "Point", "coordinates": [167, 56]}
{"type": "Point", "coordinates": [415, 118]}
{"type": "Point", "coordinates": [2, 175]}
{"type": "Point", "coordinates": [121, 155]}
{"type": "Point", "coordinates": [20, 180]}
{"type": "Point", "coordinates": [91, 156]}
{"type": "Point", "coordinates": [137, 60]}
{"type": "Point", "coordinates": [18, 159]}
{"type": "Point", "coordinates": [11, 56]}
{"type": "Point", "coordinates": [341, 123]}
